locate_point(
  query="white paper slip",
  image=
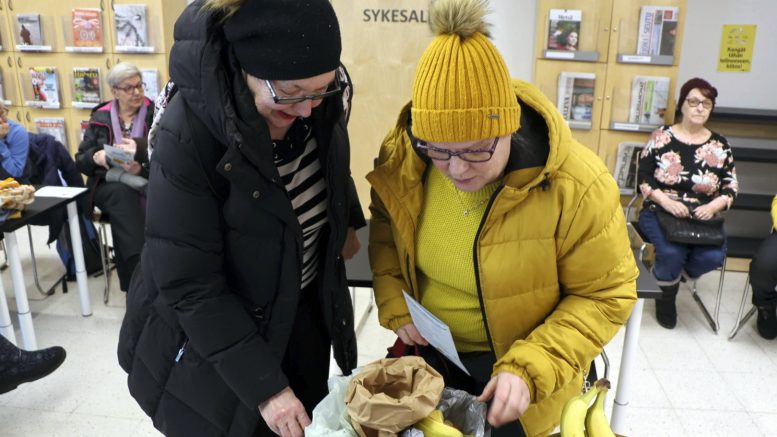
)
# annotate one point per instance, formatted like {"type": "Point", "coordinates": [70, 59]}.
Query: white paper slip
{"type": "Point", "coordinates": [434, 331]}
{"type": "Point", "coordinates": [62, 192]}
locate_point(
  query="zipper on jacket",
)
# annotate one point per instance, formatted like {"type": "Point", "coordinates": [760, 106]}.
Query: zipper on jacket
{"type": "Point", "coordinates": [410, 275]}
{"type": "Point", "coordinates": [477, 271]}
{"type": "Point", "coordinates": [181, 351]}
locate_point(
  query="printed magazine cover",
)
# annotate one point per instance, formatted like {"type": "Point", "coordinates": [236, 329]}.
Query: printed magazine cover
{"type": "Point", "coordinates": [28, 30]}
{"type": "Point", "coordinates": [626, 166]}
{"type": "Point", "coordinates": [649, 97]}
{"type": "Point", "coordinates": [130, 21]}
{"type": "Point", "coordinates": [87, 27]}
{"type": "Point", "coordinates": [86, 87]}
{"type": "Point", "coordinates": [657, 30]}
{"type": "Point", "coordinates": [576, 95]}
{"type": "Point", "coordinates": [45, 87]}
{"type": "Point", "coordinates": [564, 29]}
{"type": "Point", "coordinates": [150, 82]}
{"type": "Point", "coordinates": [82, 128]}
{"type": "Point", "coordinates": [52, 126]}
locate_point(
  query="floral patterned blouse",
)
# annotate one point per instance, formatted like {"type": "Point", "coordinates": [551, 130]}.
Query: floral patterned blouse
{"type": "Point", "coordinates": [694, 174]}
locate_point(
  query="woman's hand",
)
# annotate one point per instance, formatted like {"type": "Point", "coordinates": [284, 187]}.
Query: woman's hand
{"type": "Point", "coordinates": [128, 145]}
{"type": "Point", "coordinates": [284, 414]}
{"type": "Point", "coordinates": [510, 398]}
{"type": "Point", "coordinates": [677, 209]}
{"type": "Point", "coordinates": [99, 159]}
{"type": "Point", "coordinates": [4, 129]}
{"type": "Point", "coordinates": [352, 244]}
{"type": "Point", "coordinates": [410, 336]}
{"type": "Point", "coordinates": [708, 210]}
{"type": "Point", "coordinates": [132, 168]}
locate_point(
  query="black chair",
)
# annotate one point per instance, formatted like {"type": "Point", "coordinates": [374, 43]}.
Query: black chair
{"type": "Point", "coordinates": [102, 220]}
{"type": "Point", "coordinates": [743, 248]}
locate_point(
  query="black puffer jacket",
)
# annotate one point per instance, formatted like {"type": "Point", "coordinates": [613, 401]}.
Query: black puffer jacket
{"type": "Point", "coordinates": [220, 272]}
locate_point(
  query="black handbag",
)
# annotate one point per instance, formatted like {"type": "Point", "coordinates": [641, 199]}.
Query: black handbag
{"type": "Point", "coordinates": [691, 230]}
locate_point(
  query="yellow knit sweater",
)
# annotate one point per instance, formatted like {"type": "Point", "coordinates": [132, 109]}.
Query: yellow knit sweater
{"type": "Point", "coordinates": [445, 264]}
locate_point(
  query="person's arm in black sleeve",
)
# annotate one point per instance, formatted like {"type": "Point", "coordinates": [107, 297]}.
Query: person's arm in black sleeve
{"type": "Point", "coordinates": [91, 144]}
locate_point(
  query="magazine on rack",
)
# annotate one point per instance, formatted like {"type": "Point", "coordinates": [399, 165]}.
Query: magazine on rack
{"type": "Point", "coordinates": [45, 87]}
{"type": "Point", "coordinates": [131, 26]}
{"type": "Point", "coordinates": [626, 166]}
{"type": "Point", "coordinates": [576, 95]}
{"type": "Point", "coordinates": [86, 87]}
{"type": "Point", "coordinates": [564, 29]}
{"type": "Point", "coordinates": [649, 97]}
{"type": "Point", "coordinates": [87, 28]}
{"type": "Point", "coordinates": [28, 30]}
{"type": "Point", "coordinates": [657, 30]}
{"type": "Point", "coordinates": [150, 82]}
{"type": "Point", "coordinates": [52, 126]}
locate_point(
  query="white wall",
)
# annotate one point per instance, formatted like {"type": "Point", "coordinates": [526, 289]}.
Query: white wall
{"type": "Point", "coordinates": [513, 23]}
{"type": "Point", "coordinates": [701, 48]}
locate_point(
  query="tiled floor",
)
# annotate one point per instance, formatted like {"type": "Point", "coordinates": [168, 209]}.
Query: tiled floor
{"type": "Point", "coordinates": [687, 382]}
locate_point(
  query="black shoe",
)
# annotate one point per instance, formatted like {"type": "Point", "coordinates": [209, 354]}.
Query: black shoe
{"type": "Point", "coordinates": [767, 322]}
{"type": "Point", "coordinates": [666, 312]}
{"type": "Point", "coordinates": [20, 366]}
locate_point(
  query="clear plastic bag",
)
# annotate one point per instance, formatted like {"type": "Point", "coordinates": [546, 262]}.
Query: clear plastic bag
{"type": "Point", "coordinates": [330, 417]}
{"type": "Point", "coordinates": [462, 409]}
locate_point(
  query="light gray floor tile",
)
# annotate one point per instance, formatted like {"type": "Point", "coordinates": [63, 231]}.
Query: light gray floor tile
{"type": "Point", "coordinates": [716, 424]}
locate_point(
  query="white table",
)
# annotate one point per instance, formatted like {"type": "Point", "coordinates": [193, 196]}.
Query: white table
{"type": "Point", "coordinates": [46, 200]}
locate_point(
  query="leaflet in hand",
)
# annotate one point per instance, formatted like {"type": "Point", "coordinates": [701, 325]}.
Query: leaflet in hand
{"type": "Point", "coordinates": [434, 331]}
{"type": "Point", "coordinates": [118, 156]}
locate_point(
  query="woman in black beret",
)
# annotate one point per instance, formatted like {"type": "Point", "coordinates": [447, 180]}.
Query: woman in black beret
{"type": "Point", "coordinates": [241, 291]}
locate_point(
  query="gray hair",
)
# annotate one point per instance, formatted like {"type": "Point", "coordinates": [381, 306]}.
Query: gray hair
{"type": "Point", "coordinates": [121, 72]}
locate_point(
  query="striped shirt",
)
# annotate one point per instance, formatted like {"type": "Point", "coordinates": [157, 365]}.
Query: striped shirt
{"type": "Point", "coordinates": [300, 169]}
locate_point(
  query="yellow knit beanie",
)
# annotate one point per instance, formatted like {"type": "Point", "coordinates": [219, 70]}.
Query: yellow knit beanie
{"type": "Point", "coordinates": [462, 90]}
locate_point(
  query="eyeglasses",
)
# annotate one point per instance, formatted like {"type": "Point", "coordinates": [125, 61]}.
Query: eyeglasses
{"type": "Point", "coordinates": [297, 99]}
{"type": "Point", "coordinates": [707, 104]}
{"type": "Point", "coordinates": [478, 155]}
{"type": "Point", "coordinates": [129, 89]}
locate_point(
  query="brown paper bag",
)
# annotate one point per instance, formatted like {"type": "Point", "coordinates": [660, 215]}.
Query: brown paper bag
{"type": "Point", "coordinates": [391, 394]}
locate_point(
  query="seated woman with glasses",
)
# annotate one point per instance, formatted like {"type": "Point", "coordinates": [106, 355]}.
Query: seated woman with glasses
{"type": "Point", "coordinates": [488, 213]}
{"type": "Point", "coordinates": [686, 170]}
{"type": "Point", "coordinates": [118, 183]}
{"type": "Point", "coordinates": [14, 148]}
{"type": "Point", "coordinates": [251, 215]}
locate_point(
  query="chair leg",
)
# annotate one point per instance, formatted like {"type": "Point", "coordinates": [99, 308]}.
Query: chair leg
{"type": "Point", "coordinates": [102, 236]}
{"type": "Point", "coordinates": [712, 321]}
{"type": "Point", "coordinates": [35, 276]}
{"type": "Point", "coordinates": [740, 321]}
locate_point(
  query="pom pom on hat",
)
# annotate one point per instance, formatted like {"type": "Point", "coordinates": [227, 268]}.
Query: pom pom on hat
{"type": "Point", "coordinates": [462, 88]}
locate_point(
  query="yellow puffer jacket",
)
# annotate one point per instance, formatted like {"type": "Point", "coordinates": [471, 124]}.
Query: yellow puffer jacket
{"type": "Point", "coordinates": [555, 271]}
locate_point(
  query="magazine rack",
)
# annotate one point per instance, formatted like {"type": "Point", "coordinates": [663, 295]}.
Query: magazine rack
{"type": "Point", "coordinates": [611, 29]}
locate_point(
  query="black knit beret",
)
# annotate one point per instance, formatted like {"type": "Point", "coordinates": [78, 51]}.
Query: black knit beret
{"type": "Point", "coordinates": [285, 39]}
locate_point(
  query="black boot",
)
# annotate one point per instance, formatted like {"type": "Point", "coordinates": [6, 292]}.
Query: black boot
{"type": "Point", "coordinates": [18, 366]}
{"type": "Point", "coordinates": [767, 322]}
{"type": "Point", "coordinates": [666, 310]}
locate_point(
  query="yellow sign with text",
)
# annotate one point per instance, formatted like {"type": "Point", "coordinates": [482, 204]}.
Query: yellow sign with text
{"type": "Point", "coordinates": [736, 47]}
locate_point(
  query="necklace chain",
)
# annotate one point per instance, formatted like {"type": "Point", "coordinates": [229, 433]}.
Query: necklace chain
{"type": "Point", "coordinates": [464, 207]}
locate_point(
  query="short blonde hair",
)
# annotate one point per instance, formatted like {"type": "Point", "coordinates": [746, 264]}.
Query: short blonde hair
{"type": "Point", "coordinates": [121, 72]}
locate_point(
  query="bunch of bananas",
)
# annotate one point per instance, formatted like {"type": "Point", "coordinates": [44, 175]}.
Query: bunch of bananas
{"type": "Point", "coordinates": [582, 418]}
{"type": "Point", "coordinates": [14, 196]}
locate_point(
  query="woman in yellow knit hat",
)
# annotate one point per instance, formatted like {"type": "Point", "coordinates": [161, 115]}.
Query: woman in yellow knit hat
{"type": "Point", "coordinates": [492, 216]}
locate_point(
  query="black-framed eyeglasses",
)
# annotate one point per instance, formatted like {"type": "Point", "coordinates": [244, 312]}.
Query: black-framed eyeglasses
{"type": "Point", "coordinates": [707, 104]}
{"type": "Point", "coordinates": [478, 155]}
{"type": "Point", "coordinates": [297, 99]}
{"type": "Point", "coordinates": [129, 89]}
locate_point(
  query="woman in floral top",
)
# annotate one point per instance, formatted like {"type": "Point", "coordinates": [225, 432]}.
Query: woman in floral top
{"type": "Point", "coordinates": [685, 169]}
